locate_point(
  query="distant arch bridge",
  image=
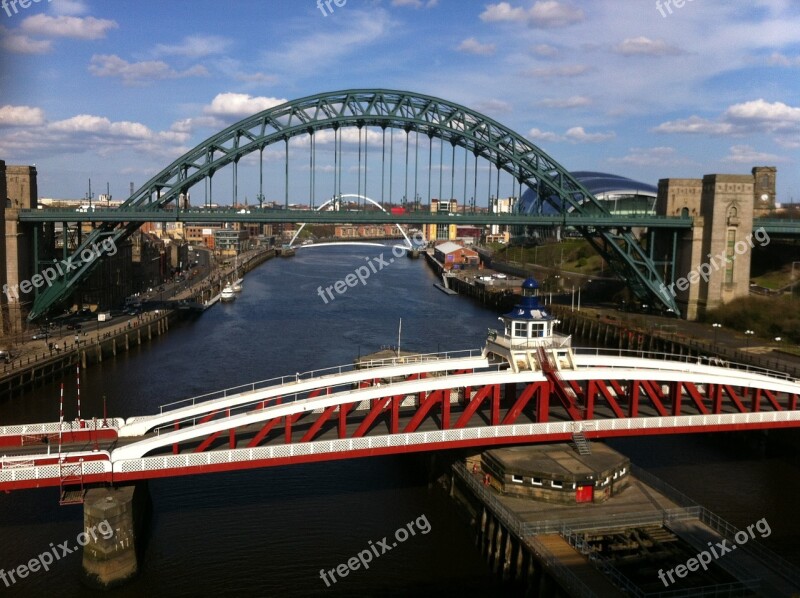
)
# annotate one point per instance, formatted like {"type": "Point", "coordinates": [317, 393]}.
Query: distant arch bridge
{"type": "Point", "coordinates": [413, 113]}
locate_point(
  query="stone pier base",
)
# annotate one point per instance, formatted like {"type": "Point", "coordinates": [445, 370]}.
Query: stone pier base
{"type": "Point", "coordinates": [110, 560]}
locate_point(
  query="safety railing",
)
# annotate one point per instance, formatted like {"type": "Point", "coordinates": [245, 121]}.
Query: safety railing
{"type": "Point", "coordinates": [289, 398]}
{"type": "Point", "coordinates": [725, 529]}
{"type": "Point", "coordinates": [691, 510]}
{"type": "Point", "coordinates": [729, 589]}
{"type": "Point", "coordinates": [312, 374]}
{"type": "Point", "coordinates": [682, 358]}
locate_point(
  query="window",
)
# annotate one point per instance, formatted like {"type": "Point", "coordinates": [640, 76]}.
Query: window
{"type": "Point", "coordinates": [516, 478]}
{"type": "Point", "coordinates": [520, 329]}
{"type": "Point", "coordinates": [536, 481]}
{"type": "Point", "coordinates": [623, 470]}
{"type": "Point", "coordinates": [556, 484]}
{"type": "Point", "coordinates": [729, 251]}
{"type": "Point", "coordinates": [538, 329]}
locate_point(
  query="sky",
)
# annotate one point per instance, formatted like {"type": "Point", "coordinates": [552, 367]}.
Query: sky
{"type": "Point", "coordinates": [115, 90]}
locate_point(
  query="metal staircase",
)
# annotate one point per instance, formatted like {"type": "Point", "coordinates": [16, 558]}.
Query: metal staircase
{"type": "Point", "coordinates": [71, 482]}
{"type": "Point", "coordinates": [582, 445]}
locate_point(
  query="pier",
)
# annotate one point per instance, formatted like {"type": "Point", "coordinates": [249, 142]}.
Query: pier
{"type": "Point", "coordinates": [553, 550]}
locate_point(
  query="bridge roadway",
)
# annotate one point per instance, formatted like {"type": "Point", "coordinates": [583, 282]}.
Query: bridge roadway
{"type": "Point", "coordinates": [773, 226]}
{"type": "Point", "coordinates": [438, 402]}
{"type": "Point", "coordinates": [272, 215]}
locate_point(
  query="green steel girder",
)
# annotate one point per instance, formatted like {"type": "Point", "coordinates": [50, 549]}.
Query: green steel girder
{"type": "Point", "coordinates": [370, 216]}
{"type": "Point", "coordinates": [380, 108]}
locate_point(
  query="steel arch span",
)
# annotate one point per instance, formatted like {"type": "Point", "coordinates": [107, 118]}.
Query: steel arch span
{"type": "Point", "coordinates": [407, 111]}
{"type": "Point", "coordinates": [332, 204]}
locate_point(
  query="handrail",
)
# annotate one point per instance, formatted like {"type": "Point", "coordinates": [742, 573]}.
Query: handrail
{"type": "Point", "coordinates": [721, 526]}
{"type": "Point", "coordinates": [692, 510]}
{"type": "Point", "coordinates": [289, 398]}
{"type": "Point", "coordinates": [318, 373]}
{"type": "Point", "coordinates": [683, 358]}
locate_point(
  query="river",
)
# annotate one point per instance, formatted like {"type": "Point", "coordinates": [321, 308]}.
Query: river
{"type": "Point", "coordinates": [268, 532]}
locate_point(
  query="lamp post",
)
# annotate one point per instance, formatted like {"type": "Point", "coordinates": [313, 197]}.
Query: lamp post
{"type": "Point", "coordinates": [748, 334]}
{"type": "Point", "coordinates": [716, 327]}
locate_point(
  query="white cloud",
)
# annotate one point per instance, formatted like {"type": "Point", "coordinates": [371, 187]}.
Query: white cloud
{"type": "Point", "coordinates": [139, 73]}
{"type": "Point", "coordinates": [473, 46]}
{"type": "Point", "coordinates": [778, 59]}
{"type": "Point", "coordinates": [745, 154]}
{"type": "Point", "coordinates": [63, 26]}
{"type": "Point", "coordinates": [415, 3]}
{"type": "Point", "coordinates": [553, 14]}
{"type": "Point", "coordinates": [18, 116]}
{"type": "Point", "coordinates": [32, 136]}
{"type": "Point", "coordinates": [195, 46]}
{"type": "Point", "coordinates": [570, 102]}
{"type": "Point", "coordinates": [492, 106]}
{"type": "Point", "coordinates": [240, 104]}
{"type": "Point", "coordinates": [545, 50]}
{"type": "Point", "coordinates": [544, 14]}
{"type": "Point", "coordinates": [651, 156]}
{"type": "Point", "coordinates": [503, 12]}
{"type": "Point", "coordinates": [325, 49]}
{"type": "Point", "coordinates": [695, 125]}
{"type": "Point", "coordinates": [760, 113]}
{"type": "Point", "coordinates": [18, 43]}
{"type": "Point", "coordinates": [538, 135]}
{"type": "Point", "coordinates": [752, 117]}
{"type": "Point", "coordinates": [567, 70]}
{"type": "Point", "coordinates": [579, 135]}
{"type": "Point", "coordinates": [644, 46]}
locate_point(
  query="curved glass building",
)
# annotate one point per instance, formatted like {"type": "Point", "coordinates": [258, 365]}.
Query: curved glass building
{"type": "Point", "coordinates": [619, 194]}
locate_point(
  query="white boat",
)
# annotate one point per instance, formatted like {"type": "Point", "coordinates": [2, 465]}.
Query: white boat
{"type": "Point", "coordinates": [227, 294]}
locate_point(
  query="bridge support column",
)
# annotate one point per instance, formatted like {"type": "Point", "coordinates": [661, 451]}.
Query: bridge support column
{"type": "Point", "coordinates": [114, 523]}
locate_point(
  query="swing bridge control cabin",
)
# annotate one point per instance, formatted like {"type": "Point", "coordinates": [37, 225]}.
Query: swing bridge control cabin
{"type": "Point", "coordinates": [556, 473]}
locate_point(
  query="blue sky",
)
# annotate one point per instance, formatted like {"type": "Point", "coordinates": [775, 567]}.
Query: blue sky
{"type": "Point", "coordinates": [116, 90]}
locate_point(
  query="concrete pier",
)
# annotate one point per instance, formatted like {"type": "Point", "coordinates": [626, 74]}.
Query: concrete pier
{"type": "Point", "coordinates": [614, 548]}
{"type": "Point", "coordinates": [112, 559]}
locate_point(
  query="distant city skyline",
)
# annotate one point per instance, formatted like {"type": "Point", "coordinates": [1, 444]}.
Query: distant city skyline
{"type": "Point", "coordinates": [644, 92]}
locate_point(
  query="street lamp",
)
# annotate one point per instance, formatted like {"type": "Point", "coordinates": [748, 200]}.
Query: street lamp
{"type": "Point", "coordinates": [748, 334]}
{"type": "Point", "coordinates": [716, 327]}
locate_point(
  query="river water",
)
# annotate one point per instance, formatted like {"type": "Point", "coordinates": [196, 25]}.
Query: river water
{"type": "Point", "coordinates": [268, 532]}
